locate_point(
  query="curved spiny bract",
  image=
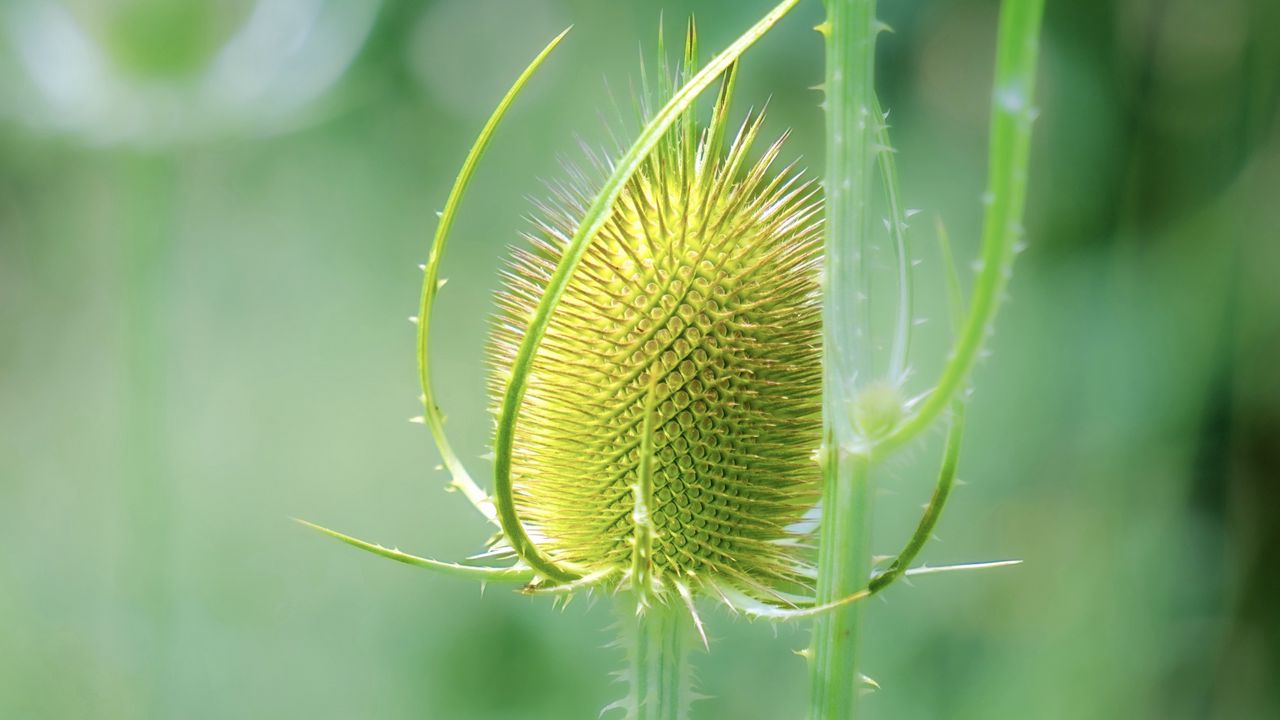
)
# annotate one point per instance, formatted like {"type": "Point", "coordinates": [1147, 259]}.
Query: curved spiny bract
{"type": "Point", "coordinates": [699, 299]}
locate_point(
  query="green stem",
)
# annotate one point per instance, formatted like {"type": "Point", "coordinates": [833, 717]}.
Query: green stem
{"type": "Point", "coordinates": [850, 32]}
{"type": "Point", "coordinates": [843, 567]}
{"type": "Point", "coordinates": [843, 552]}
{"type": "Point", "coordinates": [658, 644]}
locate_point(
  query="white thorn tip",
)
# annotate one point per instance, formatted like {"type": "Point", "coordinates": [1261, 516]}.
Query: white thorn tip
{"type": "Point", "coordinates": [928, 570]}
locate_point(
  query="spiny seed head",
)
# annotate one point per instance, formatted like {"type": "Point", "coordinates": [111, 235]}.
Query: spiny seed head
{"type": "Point", "coordinates": [691, 328]}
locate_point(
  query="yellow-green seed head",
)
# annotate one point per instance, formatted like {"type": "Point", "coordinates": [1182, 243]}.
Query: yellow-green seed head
{"type": "Point", "coordinates": [691, 330]}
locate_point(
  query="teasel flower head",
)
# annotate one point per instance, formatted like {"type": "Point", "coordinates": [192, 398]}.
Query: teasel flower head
{"type": "Point", "coordinates": [673, 407]}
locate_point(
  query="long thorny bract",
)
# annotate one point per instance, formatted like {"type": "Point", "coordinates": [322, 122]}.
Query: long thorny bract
{"type": "Point", "coordinates": [431, 285]}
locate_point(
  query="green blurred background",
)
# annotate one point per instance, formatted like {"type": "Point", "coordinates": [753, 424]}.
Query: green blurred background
{"type": "Point", "coordinates": [211, 213]}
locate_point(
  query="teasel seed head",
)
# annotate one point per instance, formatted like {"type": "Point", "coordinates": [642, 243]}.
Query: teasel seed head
{"type": "Point", "coordinates": [674, 404]}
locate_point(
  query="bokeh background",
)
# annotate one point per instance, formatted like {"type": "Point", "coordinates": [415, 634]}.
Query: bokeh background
{"type": "Point", "coordinates": [211, 213]}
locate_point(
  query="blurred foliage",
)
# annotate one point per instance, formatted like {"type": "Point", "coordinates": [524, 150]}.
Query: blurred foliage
{"type": "Point", "coordinates": [202, 334]}
{"type": "Point", "coordinates": [160, 37]}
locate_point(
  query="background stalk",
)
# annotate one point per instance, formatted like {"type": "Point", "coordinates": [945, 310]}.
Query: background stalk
{"type": "Point", "coordinates": [843, 552]}
{"type": "Point", "coordinates": [149, 200]}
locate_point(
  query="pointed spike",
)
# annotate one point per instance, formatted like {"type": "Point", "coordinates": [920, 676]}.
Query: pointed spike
{"type": "Point", "coordinates": [690, 64]}
{"type": "Point", "coordinates": [930, 570]}
{"type": "Point", "coordinates": [691, 48]}
{"type": "Point", "coordinates": [693, 612]}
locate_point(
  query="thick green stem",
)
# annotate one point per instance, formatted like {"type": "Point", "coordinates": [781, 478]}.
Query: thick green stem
{"type": "Point", "coordinates": [658, 643]}
{"type": "Point", "coordinates": [843, 552]}
{"type": "Point", "coordinates": [843, 566]}
{"type": "Point", "coordinates": [850, 31]}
